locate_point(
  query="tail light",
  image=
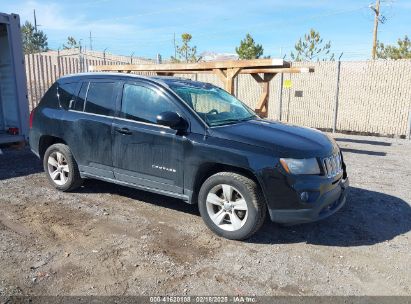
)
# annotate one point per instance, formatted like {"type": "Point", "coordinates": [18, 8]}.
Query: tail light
{"type": "Point", "coordinates": [13, 131]}
{"type": "Point", "coordinates": [31, 119]}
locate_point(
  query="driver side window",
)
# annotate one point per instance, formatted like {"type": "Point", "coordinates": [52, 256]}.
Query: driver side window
{"type": "Point", "coordinates": [143, 104]}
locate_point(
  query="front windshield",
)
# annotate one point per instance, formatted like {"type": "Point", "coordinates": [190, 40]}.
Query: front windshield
{"type": "Point", "coordinates": [214, 105]}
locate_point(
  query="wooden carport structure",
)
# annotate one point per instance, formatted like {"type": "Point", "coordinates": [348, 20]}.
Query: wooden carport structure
{"type": "Point", "coordinates": [262, 70]}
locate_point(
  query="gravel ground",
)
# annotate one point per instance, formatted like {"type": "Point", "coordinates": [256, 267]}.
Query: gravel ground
{"type": "Point", "coordinates": [111, 240]}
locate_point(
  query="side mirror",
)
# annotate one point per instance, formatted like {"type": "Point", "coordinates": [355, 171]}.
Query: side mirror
{"type": "Point", "coordinates": [172, 120]}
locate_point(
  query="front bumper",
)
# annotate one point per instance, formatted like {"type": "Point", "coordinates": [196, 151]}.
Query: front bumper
{"type": "Point", "coordinates": [329, 203]}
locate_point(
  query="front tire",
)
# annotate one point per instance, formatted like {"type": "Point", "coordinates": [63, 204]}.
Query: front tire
{"type": "Point", "coordinates": [61, 168]}
{"type": "Point", "coordinates": [232, 205]}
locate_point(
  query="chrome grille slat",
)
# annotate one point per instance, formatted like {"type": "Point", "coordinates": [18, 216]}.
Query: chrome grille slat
{"type": "Point", "coordinates": [332, 165]}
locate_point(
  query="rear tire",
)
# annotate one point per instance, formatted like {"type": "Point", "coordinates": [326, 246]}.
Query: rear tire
{"type": "Point", "coordinates": [232, 205]}
{"type": "Point", "coordinates": [61, 168]}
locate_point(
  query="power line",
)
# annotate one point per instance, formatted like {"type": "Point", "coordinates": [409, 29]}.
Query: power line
{"type": "Point", "coordinates": [145, 42]}
{"type": "Point", "coordinates": [246, 27]}
{"type": "Point", "coordinates": [266, 25]}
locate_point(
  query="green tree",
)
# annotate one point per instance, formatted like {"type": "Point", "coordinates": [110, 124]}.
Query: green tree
{"type": "Point", "coordinates": [185, 52]}
{"type": "Point", "coordinates": [71, 43]}
{"type": "Point", "coordinates": [248, 49]}
{"type": "Point", "coordinates": [400, 51]}
{"type": "Point", "coordinates": [33, 41]}
{"type": "Point", "coordinates": [312, 47]}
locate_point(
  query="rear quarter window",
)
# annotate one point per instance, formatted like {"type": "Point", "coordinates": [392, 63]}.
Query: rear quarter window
{"type": "Point", "coordinates": [66, 93]}
{"type": "Point", "coordinates": [50, 98]}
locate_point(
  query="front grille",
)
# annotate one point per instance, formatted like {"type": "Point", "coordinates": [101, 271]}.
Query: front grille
{"type": "Point", "coordinates": [332, 165]}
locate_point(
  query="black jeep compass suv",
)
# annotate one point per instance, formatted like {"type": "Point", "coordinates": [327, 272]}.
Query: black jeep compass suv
{"type": "Point", "coordinates": [189, 140]}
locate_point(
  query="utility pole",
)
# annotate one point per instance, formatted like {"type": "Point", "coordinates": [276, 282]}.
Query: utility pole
{"type": "Point", "coordinates": [376, 10]}
{"type": "Point", "coordinates": [104, 55]}
{"type": "Point", "coordinates": [175, 49]}
{"type": "Point", "coordinates": [82, 67]}
{"type": "Point", "coordinates": [91, 42]}
{"type": "Point", "coordinates": [35, 20]}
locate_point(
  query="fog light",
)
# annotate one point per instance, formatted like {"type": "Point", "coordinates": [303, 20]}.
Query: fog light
{"type": "Point", "coordinates": [304, 196]}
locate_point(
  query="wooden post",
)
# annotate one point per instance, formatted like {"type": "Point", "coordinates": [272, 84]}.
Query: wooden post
{"type": "Point", "coordinates": [227, 76]}
{"type": "Point", "coordinates": [42, 77]}
{"type": "Point", "coordinates": [221, 74]}
{"type": "Point", "coordinates": [30, 67]}
{"type": "Point", "coordinates": [58, 66]}
{"type": "Point", "coordinates": [262, 106]}
{"type": "Point", "coordinates": [231, 75]}
{"type": "Point", "coordinates": [47, 69]}
{"type": "Point", "coordinates": [35, 69]}
{"type": "Point", "coordinates": [280, 97]}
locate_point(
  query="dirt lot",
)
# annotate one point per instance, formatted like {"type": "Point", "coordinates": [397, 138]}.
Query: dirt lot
{"type": "Point", "coordinates": [111, 240]}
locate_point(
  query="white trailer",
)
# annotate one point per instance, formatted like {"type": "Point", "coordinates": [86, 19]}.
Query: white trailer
{"type": "Point", "coordinates": [14, 110]}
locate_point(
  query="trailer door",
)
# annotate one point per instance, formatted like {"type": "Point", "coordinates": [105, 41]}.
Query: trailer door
{"type": "Point", "coordinates": [9, 110]}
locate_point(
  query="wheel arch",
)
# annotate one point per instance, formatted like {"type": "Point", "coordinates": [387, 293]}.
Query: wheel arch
{"type": "Point", "coordinates": [208, 169]}
{"type": "Point", "coordinates": [46, 141]}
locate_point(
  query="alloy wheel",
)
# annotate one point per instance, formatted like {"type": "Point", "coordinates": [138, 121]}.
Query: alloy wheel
{"type": "Point", "coordinates": [58, 168]}
{"type": "Point", "coordinates": [227, 207]}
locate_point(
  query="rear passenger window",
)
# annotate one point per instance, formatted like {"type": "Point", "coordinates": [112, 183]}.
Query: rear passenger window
{"type": "Point", "coordinates": [100, 98]}
{"type": "Point", "coordinates": [79, 102]}
{"type": "Point", "coordinates": [66, 91]}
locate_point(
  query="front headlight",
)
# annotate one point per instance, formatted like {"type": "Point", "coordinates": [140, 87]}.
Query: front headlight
{"type": "Point", "coordinates": [300, 166]}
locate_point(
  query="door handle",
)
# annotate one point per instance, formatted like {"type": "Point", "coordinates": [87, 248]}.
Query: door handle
{"type": "Point", "coordinates": [124, 131]}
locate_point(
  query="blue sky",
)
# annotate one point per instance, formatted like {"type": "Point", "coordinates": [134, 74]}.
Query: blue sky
{"type": "Point", "coordinates": [146, 28]}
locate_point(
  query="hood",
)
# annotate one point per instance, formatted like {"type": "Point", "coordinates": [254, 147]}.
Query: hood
{"type": "Point", "coordinates": [283, 139]}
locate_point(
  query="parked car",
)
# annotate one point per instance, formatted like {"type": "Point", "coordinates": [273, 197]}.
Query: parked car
{"type": "Point", "coordinates": [189, 140]}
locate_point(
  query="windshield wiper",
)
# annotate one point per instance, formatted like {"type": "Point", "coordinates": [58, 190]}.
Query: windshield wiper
{"type": "Point", "coordinates": [249, 118]}
{"type": "Point", "coordinates": [233, 120]}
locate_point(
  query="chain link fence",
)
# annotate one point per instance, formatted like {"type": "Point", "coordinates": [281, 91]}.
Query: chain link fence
{"type": "Point", "coordinates": [363, 97]}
